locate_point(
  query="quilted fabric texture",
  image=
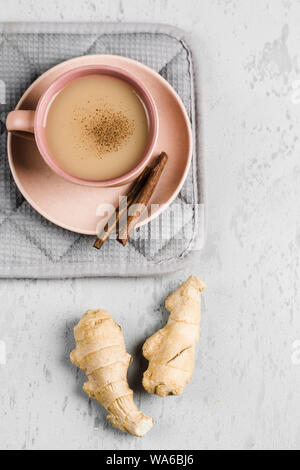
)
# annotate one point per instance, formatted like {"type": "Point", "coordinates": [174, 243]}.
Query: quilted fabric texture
{"type": "Point", "coordinates": [30, 245]}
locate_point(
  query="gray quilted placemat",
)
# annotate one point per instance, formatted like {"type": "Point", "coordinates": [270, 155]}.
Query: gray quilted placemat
{"type": "Point", "coordinates": [33, 247]}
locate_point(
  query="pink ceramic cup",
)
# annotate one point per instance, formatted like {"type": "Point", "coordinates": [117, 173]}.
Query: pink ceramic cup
{"type": "Point", "coordinates": [34, 121]}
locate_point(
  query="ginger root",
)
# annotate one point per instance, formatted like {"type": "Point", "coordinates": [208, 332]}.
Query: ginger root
{"type": "Point", "coordinates": [171, 350]}
{"type": "Point", "coordinates": [101, 353]}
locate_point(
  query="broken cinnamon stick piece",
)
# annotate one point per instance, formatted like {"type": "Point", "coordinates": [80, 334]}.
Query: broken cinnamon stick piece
{"type": "Point", "coordinates": [143, 198]}
{"type": "Point", "coordinates": [114, 219]}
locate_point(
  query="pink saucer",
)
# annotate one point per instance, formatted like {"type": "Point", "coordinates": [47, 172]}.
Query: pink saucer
{"type": "Point", "coordinates": [72, 206]}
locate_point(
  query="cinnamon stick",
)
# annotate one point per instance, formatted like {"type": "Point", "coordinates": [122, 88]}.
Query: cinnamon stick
{"type": "Point", "coordinates": [144, 196]}
{"type": "Point", "coordinates": [114, 219]}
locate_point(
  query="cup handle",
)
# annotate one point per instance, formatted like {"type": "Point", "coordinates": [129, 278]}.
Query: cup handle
{"type": "Point", "coordinates": [20, 120]}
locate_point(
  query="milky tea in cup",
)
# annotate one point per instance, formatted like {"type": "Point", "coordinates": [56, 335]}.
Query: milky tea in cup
{"type": "Point", "coordinates": [97, 128]}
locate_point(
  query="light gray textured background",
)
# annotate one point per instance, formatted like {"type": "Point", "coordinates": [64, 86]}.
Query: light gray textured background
{"type": "Point", "coordinates": [245, 392]}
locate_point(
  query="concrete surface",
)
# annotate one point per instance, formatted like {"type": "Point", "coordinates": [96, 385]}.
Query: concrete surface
{"type": "Point", "coordinates": [245, 391]}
